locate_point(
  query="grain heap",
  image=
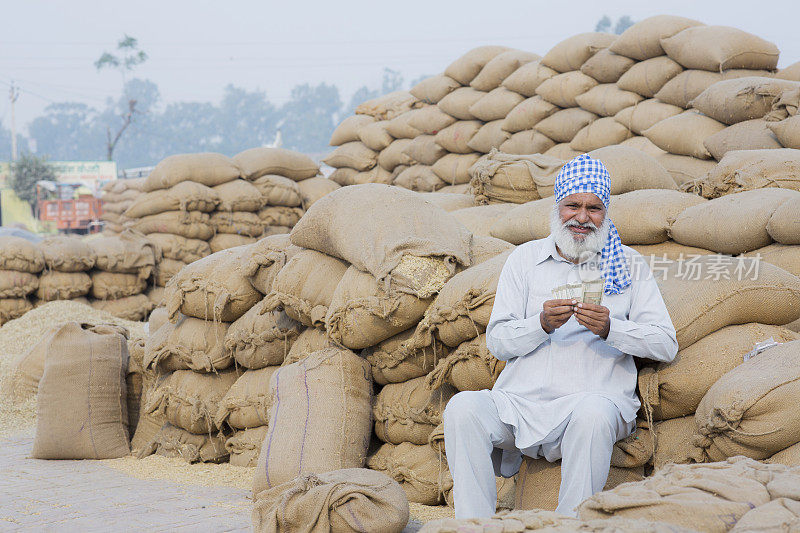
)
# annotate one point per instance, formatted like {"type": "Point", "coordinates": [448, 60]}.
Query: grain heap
{"type": "Point", "coordinates": [118, 195]}
{"type": "Point", "coordinates": [20, 263]}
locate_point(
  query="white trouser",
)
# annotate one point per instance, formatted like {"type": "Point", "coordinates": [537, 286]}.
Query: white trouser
{"type": "Point", "coordinates": [472, 429]}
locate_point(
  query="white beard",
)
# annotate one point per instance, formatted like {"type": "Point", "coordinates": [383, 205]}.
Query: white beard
{"type": "Point", "coordinates": [578, 248]}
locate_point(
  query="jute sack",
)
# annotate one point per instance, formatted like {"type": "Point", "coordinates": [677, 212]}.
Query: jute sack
{"type": "Point", "coordinates": [528, 222]}
{"type": "Point", "coordinates": [27, 368]}
{"type": "Point", "coordinates": [490, 136]}
{"type": "Point", "coordinates": [266, 258]}
{"type": "Point", "coordinates": [783, 256]}
{"type": "Point", "coordinates": [787, 131]}
{"type": "Point", "coordinates": [246, 404]}
{"type": "Point", "coordinates": [347, 130]}
{"type": "Point", "coordinates": [495, 105]}
{"type": "Point", "coordinates": [528, 77]}
{"type": "Point", "coordinates": [458, 103]}
{"type": "Point", "coordinates": [133, 384]}
{"type": "Point", "coordinates": [648, 77]}
{"type": "Point", "coordinates": [148, 426]}
{"type": "Point", "coordinates": [685, 168]}
{"type": "Point", "coordinates": [643, 40]}
{"type": "Point", "coordinates": [573, 52]}
{"type": "Point", "coordinates": [399, 128]}
{"type": "Point", "coordinates": [602, 132]}
{"type": "Point", "coordinates": [329, 227]}
{"type": "Point", "coordinates": [778, 514]}
{"type": "Point", "coordinates": [419, 178]}
{"type": "Point", "coordinates": [449, 201]}
{"type": "Point", "coordinates": [742, 170]}
{"type": "Point", "coordinates": [180, 248]}
{"type": "Point", "coordinates": [703, 497]}
{"type": "Point", "coordinates": [305, 286]}
{"type": "Point", "coordinates": [155, 295]}
{"type": "Point", "coordinates": [322, 421]}
{"type": "Point", "coordinates": [278, 190]}
{"type": "Point", "coordinates": [783, 225]}
{"type": "Point", "coordinates": [737, 100]}
{"type": "Point", "coordinates": [82, 412]}
{"type": "Point", "coordinates": [394, 155]}
{"type": "Point", "coordinates": [129, 253]}
{"type": "Point", "coordinates": [16, 284]}
{"type": "Point", "coordinates": [185, 196]}
{"type": "Point", "coordinates": [485, 248]}
{"type": "Point", "coordinates": [238, 195]}
{"type": "Point", "coordinates": [462, 308]}
{"type": "Point", "coordinates": [699, 225]}
{"type": "Point", "coordinates": [527, 114]}
{"type": "Point", "coordinates": [643, 144]}
{"type": "Point", "coordinates": [219, 242]}
{"type": "Point", "coordinates": [688, 85]}
{"type": "Point", "coordinates": [514, 178]}
{"type": "Point", "coordinates": [790, 72]}
{"type": "Point", "coordinates": [237, 222]}
{"type": "Point", "coordinates": [394, 361]}
{"type": "Point", "coordinates": [431, 90]}
{"type": "Point", "coordinates": [309, 341]}
{"type": "Point", "coordinates": [173, 441]}
{"type": "Point", "coordinates": [527, 142]}
{"type": "Point", "coordinates": [313, 189]}
{"type": "Point", "coordinates": [388, 106]}
{"type": "Point", "coordinates": [257, 162]}
{"type": "Point", "coordinates": [261, 338]}
{"type": "Point", "coordinates": [167, 268]}
{"type": "Point", "coordinates": [67, 254]}
{"type": "Point", "coordinates": [607, 99]}
{"type": "Point", "coordinates": [431, 120]}
{"type": "Point", "coordinates": [563, 151]}
{"type": "Point", "coordinates": [342, 176]}
{"type": "Point", "coordinates": [673, 442]}
{"type": "Point", "coordinates": [280, 216]}
{"type": "Point", "coordinates": [157, 318]}
{"type": "Point", "coordinates": [416, 467]}
{"type": "Point", "coordinates": [719, 48]}
{"type": "Point", "coordinates": [675, 389]}
{"type": "Point", "coordinates": [454, 138]}
{"type": "Point", "coordinates": [634, 450]}
{"type": "Point", "coordinates": [189, 343]}
{"type": "Point", "coordinates": [465, 68]}
{"type": "Point", "coordinates": [563, 89]}
{"type": "Point", "coordinates": [347, 500]}
{"type": "Point", "coordinates": [190, 400]}
{"type": "Point", "coordinates": [469, 367]}
{"type": "Point", "coordinates": [632, 170]}
{"type": "Point", "coordinates": [749, 411]}
{"type": "Point", "coordinates": [129, 307]}
{"type": "Point", "coordinates": [20, 254]}
{"type": "Point", "coordinates": [113, 285]}
{"type": "Point", "coordinates": [425, 150]}
{"type": "Point", "coordinates": [373, 175]}
{"type": "Point", "coordinates": [789, 456]}
{"type": "Point", "coordinates": [54, 285]}
{"type": "Point", "coordinates": [480, 219]}
{"type": "Point", "coordinates": [606, 66]}
{"type": "Point", "coordinates": [364, 312]}
{"type": "Point", "coordinates": [374, 135]}
{"type": "Point", "coordinates": [683, 134]}
{"type": "Point", "coordinates": [409, 411]}
{"type": "Point", "coordinates": [245, 445]}
{"type": "Point", "coordinates": [500, 67]}
{"type": "Point", "coordinates": [539, 480]}
{"type": "Point", "coordinates": [187, 224]}
{"type": "Point", "coordinates": [212, 288]}
{"type": "Point", "coordinates": [352, 155]}
{"type": "Point", "coordinates": [645, 114]}
{"type": "Point", "coordinates": [698, 307]}
{"type": "Point", "coordinates": [206, 168]}
{"type": "Point", "coordinates": [562, 125]}
{"type": "Point", "coordinates": [747, 135]}
{"type": "Point", "coordinates": [643, 216]}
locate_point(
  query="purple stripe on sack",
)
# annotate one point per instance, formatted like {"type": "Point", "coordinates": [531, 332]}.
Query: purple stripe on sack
{"type": "Point", "coordinates": [273, 422]}
{"type": "Point", "coordinates": [308, 414]}
{"type": "Point", "coordinates": [359, 525]}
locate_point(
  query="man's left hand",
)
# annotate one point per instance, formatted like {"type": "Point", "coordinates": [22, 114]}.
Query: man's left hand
{"type": "Point", "coordinates": [594, 317]}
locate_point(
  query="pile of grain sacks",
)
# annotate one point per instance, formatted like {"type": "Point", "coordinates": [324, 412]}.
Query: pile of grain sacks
{"type": "Point", "coordinates": [20, 263]}
{"type": "Point", "coordinates": [119, 195]}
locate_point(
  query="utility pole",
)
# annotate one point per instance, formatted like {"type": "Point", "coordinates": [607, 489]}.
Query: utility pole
{"type": "Point", "coordinates": [13, 94]}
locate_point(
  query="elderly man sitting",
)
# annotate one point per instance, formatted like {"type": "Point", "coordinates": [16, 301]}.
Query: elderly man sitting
{"type": "Point", "coordinates": [568, 389]}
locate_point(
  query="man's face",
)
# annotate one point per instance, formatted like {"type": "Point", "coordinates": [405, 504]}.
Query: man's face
{"type": "Point", "coordinates": [581, 214]}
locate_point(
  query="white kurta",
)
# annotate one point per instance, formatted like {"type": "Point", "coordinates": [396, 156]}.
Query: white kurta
{"type": "Point", "coordinates": [546, 376]}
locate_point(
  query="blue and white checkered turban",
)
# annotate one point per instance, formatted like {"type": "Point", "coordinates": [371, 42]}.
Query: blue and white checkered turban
{"type": "Point", "coordinates": [584, 174]}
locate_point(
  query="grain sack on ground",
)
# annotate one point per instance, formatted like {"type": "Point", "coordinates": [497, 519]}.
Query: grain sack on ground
{"type": "Point", "coordinates": [416, 467]}
{"type": "Point", "coordinates": [394, 361]}
{"type": "Point", "coordinates": [67, 254]}
{"type": "Point", "coordinates": [643, 216]}
{"type": "Point", "coordinates": [247, 402]}
{"type": "Point", "coordinates": [205, 168]}
{"type": "Point", "coordinates": [469, 367]}
{"type": "Point", "coordinates": [257, 162]}
{"type": "Point", "coordinates": [261, 338]}
{"type": "Point", "coordinates": [352, 499]}
{"type": "Point", "coordinates": [173, 441]}
{"type": "Point", "coordinates": [743, 170]}
{"type": "Point", "coordinates": [54, 285]}
{"type": "Point", "coordinates": [82, 412]}
{"type": "Point", "coordinates": [409, 411]}
{"type": "Point", "coordinates": [245, 445]}
{"type": "Point", "coordinates": [189, 343]}
{"type": "Point", "coordinates": [673, 442]}
{"type": "Point", "coordinates": [319, 419]}
{"type": "Point", "coordinates": [514, 178]}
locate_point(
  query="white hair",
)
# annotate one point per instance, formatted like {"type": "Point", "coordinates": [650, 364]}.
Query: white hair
{"type": "Point", "coordinates": [574, 247]}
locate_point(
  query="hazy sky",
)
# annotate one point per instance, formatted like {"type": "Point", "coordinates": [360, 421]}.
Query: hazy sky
{"type": "Point", "coordinates": [197, 47]}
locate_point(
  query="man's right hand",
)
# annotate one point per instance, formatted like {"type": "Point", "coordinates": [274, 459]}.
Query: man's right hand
{"type": "Point", "coordinates": [555, 314]}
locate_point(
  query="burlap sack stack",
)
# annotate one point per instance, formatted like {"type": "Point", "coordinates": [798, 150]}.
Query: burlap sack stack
{"type": "Point", "coordinates": [124, 264]}
{"type": "Point", "coordinates": [67, 263]}
{"type": "Point", "coordinates": [21, 261]}
{"type": "Point", "coordinates": [117, 196]}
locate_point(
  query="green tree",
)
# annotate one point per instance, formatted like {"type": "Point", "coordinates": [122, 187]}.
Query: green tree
{"type": "Point", "coordinates": [25, 172]}
{"type": "Point", "coordinates": [128, 57]}
{"type": "Point", "coordinates": [308, 118]}
{"type": "Point", "coordinates": [603, 25]}
{"type": "Point", "coordinates": [623, 23]}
